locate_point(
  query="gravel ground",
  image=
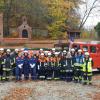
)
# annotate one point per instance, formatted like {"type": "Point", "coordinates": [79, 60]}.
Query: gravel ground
{"type": "Point", "coordinates": [50, 90]}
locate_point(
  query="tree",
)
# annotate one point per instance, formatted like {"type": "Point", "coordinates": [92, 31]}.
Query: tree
{"type": "Point", "coordinates": [56, 16]}
{"type": "Point", "coordinates": [97, 28]}
{"type": "Point", "coordinates": [62, 15]}
{"type": "Point", "coordinates": [88, 11]}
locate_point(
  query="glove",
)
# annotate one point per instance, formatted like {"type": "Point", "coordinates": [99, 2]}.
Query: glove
{"type": "Point", "coordinates": [32, 65]}
{"type": "Point", "coordinates": [38, 67]}
{"type": "Point", "coordinates": [20, 66]}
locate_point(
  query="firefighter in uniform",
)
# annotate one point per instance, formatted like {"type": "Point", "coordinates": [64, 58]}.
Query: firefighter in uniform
{"type": "Point", "coordinates": [57, 65]}
{"type": "Point", "coordinates": [87, 69]}
{"type": "Point", "coordinates": [63, 67]}
{"type": "Point", "coordinates": [41, 66]}
{"type": "Point", "coordinates": [7, 66]}
{"type": "Point", "coordinates": [78, 73]}
{"type": "Point", "coordinates": [49, 71]}
{"type": "Point", "coordinates": [0, 68]}
{"type": "Point", "coordinates": [81, 57]}
{"type": "Point", "coordinates": [32, 63]}
{"type": "Point", "coordinates": [19, 67]}
{"type": "Point", "coordinates": [69, 70]}
{"type": "Point", "coordinates": [2, 62]}
{"type": "Point", "coordinates": [13, 57]}
{"type": "Point", "coordinates": [26, 67]}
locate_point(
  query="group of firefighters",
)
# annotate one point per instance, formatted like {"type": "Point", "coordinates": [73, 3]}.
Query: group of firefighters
{"type": "Point", "coordinates": [72, 65]}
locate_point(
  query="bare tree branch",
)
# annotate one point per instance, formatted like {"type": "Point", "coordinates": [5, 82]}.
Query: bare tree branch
{"type": "Point", "coordinates": [87, 13]}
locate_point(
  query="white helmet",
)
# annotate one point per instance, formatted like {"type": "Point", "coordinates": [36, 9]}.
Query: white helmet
{"type": "Point", "coordinates": [1, 49]}
{"type": "Point", "coordinates": [46, 52]}
{"type": "Point", "coordinates": [79, 50]}
{"type": "Point", "coordinates": [64, 51]}
{"type": "Point", "coordinates": [41, 49]}
{"type": "Point", "coordinates": [16, 50]}
{"type": "Point", "coordinates": [49, 54]}
{"type": "Point", "coordinates": [87, 54]}
{"type": "Point", "coordinates": [8, 50]}
{"type": "Point", "coordinates": [25, 51]}
{"type": "Point", "coordinates": [56, 53]}
{"type": "Point", "coordinates": [72, 49]}
{"type": "Point", "coordinates": [53, 49]}
{"type": "Point", "coordinates": [22, 49]}
{"type": "Point", "coordinates": [42, 54]}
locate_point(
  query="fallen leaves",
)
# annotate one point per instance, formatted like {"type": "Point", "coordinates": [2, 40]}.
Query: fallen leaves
{"type": "Point", "coordinates": [96, 78]}
{"type": "Point", "coordinates": [18, 94]}
{"type": "Point", "coordinates": [96, 96]}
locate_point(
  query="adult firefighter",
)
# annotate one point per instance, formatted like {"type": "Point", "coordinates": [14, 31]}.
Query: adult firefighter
{"type": "Point", "coordinates": [49, 71]}
{"type": "Point", "coordinates": [7, 66]}
{"type": "Point", "coordinates": [13, 58]}
{"type": "Point", "coordinates": [2, 62]}
{"type": "Point", "coordinates": [19, 67]}
{"type": "Point", "coordinates": [87, 69]}
{"type": "Point", "coordinates": [80, 72]}
{"type": "Point", "coordinates": [32, 63]}
{"type": "Point", "coordinates": [57, 65]}
{"type": "Point", "coordinates": [78, 67]}
{"type": "Point", "coordinates": [41, 66]}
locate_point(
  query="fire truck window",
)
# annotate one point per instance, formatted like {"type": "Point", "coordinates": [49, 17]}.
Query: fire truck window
{"type": "Point", "coordinates": [85, 48]}
{"type": "Point", "coordinates": [92, 49]}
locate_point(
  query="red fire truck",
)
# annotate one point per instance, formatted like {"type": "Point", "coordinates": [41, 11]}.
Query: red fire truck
{"type": "Point", "coordinates": [93, 48]}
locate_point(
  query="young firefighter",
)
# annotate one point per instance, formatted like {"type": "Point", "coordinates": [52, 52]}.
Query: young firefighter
{"type": "Point", "coordinates": [49, 71]}
{"type": "Point", "coordinates": [63, 67]}
{"type": "Point", "coordinates": [87, 69]}
{"type": "Point", "coordinates": [19, 67]}
{"type": "Point", "coordinates": [26, 67]}
{"type": "Point", "coordinates": [41, 66]}
{"type": "Point", "coordinates": [73, 62]}
{"type": "Point", "coordinates": [69, 71]}
{"type": "Point", "coordinates": [32, 63]}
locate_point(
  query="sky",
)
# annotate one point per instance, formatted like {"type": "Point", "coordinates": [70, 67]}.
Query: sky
{"type": "Point", "coordinates": [94, 17]}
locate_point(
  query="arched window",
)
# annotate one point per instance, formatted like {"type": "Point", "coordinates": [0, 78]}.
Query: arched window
{"type": "Point", "coordinates": [24, 33]}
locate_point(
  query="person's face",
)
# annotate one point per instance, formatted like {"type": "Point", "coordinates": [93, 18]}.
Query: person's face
{"type": "Point", "coordinates": [34, 56]}
{"type": "Point", "coordinates": [8, 52]}
{"type": "Point", "coordinates": [19, 55]}
{"type": "Point", "coordinates": [80, 53]}
{"type": "Point", "coordinates": [42, 56]}
{"type": "Point", "coordinates": [53, 51]}
{"type": "Point", "coordinates": [73, 52]}
{"type": "Point", "coordinates": [26, 54]}
{"type": "Point", "coordinates": [86, 57]}
{"type": "Point", "coordinates": [56, 55]}
{"type": "Point", "coordinates": [2, 51]}
{"type": "Point", "coordinates": [16, 51]}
